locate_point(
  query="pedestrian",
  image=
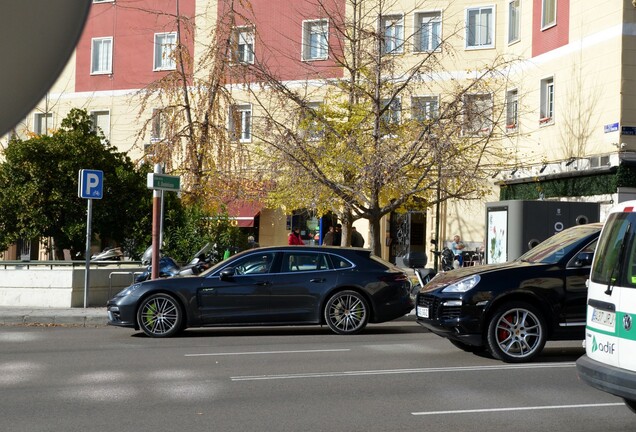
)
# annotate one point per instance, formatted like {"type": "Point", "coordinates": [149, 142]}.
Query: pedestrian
{"type": "Point", "coordinates": [337, 235]}
{"type": "Point", "coordinates": [457, 247]}
{"type": "Point", "coordinates": [252, 243]}
{"type": "Point", "coordinates": [327, 240]}
{"type": "Point", "coordinates": [356, 238]}
{"type": "Point", "coordinates": [294, 237]}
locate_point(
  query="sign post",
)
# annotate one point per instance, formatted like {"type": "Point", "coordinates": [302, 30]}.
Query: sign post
{"type": "Point", "coordinates": [159, 182]}
{"type": "Point", "coordinates": [90, 187]}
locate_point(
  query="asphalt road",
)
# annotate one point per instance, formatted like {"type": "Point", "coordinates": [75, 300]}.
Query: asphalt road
{"type": "Point", "coordinates": [393, 377]}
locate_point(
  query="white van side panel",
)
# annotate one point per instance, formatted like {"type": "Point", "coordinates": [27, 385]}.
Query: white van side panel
{"type": "Point", "coordinates": [626, 327]}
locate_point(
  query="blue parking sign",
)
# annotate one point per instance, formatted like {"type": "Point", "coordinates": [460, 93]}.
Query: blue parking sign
{"type": "Point", "coordinates": [91, 184]}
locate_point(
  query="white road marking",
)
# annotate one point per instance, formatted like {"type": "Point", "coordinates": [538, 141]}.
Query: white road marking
{"type": "Point", "coordinates": [402, 371]}
{"type": "Point", "coordinates": [488, 410]}
{"type": "Point", "coordinates": [266, 352]}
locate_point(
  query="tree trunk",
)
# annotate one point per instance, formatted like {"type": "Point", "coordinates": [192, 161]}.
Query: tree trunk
{"type": "Point", "coordinates": [374, 236]}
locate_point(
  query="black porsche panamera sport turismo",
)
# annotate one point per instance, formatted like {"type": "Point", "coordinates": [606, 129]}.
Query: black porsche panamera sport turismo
{"type": "Point", "coordinates": [344, 288]}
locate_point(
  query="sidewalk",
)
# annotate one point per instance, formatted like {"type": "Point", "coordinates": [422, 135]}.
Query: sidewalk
{"type": "Point", "coordinates": [89, 317]}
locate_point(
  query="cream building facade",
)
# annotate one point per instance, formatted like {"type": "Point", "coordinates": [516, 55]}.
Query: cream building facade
{"type": "Point", "coordinates": [568, 111]}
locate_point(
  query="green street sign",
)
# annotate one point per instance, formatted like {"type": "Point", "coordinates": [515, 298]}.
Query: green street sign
{"type": "Point", "coordinates": [164, 182]}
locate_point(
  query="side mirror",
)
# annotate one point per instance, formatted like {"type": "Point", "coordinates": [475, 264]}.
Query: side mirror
{"type": "Point", "coordinates": [584, 259]}
{"type": "Point", "coordinates": [227, 273]}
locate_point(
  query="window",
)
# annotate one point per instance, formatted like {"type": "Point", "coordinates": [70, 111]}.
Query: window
{"type": "Point", "coordinates": [428, 27]}
{"type": "Point", "coordinates": [424, 108]}
{"type": "Point", "coordinates": [315, 39]}
{"type": "Point", "coordinates": [513, 21]}
{"type": "Point", "coordinates": [160, 123]}
{"type": "Point", "coordinates": [392, 28]}
{"type": "Point", "coordinates": [512, 110]}
{"type": "Point", "coordinates": [102, 55]}
{"type": "Point", "coordinates": [304, 261]}
{"type": "Point", "coordinates": [42, 123]}
{"type": "Point", "coordinates": [258, 263]}
{"type": "Point", "coordinates": [478, 114]}
{"type": "Point", "coordinates": [548, 13]}
{"type": "Point", "coordinates": [480, 27]}
{"type": "Point", "coordinates": [165, 44]}
{"type": "Point", "coordinates": [243, 45]}
{"type": "Point", "coordinates": [393, 112]}
{"type": "Point", "coordinates": [241, 122]}
{"type": "Point", "coordinates": [546, 110]}
{"type": "Point", "coordinates": [101, 123]}
{"type": "Point", "coordinates": [311, 128]}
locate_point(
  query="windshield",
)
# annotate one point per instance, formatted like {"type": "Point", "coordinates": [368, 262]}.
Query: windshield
{"type": "Point", "coordinates": [617, 237]}
{"type": "Point", "coordinates": [552, 250]}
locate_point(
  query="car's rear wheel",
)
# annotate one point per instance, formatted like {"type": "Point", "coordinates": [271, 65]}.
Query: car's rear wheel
{"type": "Point", "coordinates": [346, 312]}
{"type": "Point", "coordinates": [160, 315]}
{"type": "Point", "coordinates": [465, 347]}
{"type": "Point", "coordinates": [516, 332]}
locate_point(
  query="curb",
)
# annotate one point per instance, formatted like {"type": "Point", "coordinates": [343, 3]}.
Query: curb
{"type": "Point", "coordinates": [54, 317]}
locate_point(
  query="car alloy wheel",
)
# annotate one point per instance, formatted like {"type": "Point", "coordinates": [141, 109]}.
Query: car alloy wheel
{"type": "Point", "coordinates": [346, 312]}
{"type": "Point", "coordinates": [160, 316]}
{"type": "Point", "coordinates": [516, 333]}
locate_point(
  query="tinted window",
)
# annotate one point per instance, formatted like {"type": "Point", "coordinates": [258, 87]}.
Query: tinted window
{"type": "Point", "coordinates": [254, 264]}
{"type": "Point", "coordinates": [340, 263]}
{"type": "Point", "coordinates": [304, 261]}
{"type": "Point", "coordinates": [556, 247]}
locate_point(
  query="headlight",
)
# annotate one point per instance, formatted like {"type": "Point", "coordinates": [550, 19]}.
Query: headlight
{"type": "Point", "coordinates": [128, 290]}
{"type": "Point", "coordinates": [463, 285]}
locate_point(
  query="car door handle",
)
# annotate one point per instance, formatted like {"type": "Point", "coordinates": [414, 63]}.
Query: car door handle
{"type": "Point", "coordinates": [317, 280]}
{"type": "Point", "coordinates": [266, 283]}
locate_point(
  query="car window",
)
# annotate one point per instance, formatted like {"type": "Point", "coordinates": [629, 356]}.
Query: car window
{"type": "Point", "coordinates": [254, 264]}
{"type": "Point", "coordinates": [617, 244]}
{"type": "Point", "coordinates": [340, 263]}
{"type": "Point", "coordinates": [304, 261]}
{"type": "Point", "coordinates": [556, 247]}
{"type": "Point", "coordinates": [583, 258]}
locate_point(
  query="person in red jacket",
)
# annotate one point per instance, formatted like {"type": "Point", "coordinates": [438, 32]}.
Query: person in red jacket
{"type": "Point", "coordinates": [294, 237]}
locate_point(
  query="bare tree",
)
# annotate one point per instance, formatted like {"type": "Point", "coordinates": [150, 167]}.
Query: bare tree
{"type": "Point", "coordinates": [187, 128]}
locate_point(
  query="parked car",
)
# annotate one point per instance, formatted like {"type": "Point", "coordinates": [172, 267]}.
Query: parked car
{"type": "Point", "coordinates": [344, 288]}
{"type": "Point", "coordinates": [512, 309]}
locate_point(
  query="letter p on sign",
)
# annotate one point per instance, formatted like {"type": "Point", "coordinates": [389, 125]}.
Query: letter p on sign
{"type": "Point", "coordinates": [91, 184]}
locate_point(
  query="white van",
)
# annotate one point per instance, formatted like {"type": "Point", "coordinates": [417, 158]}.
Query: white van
{"type": "Point", "coordinates": [610, 333]}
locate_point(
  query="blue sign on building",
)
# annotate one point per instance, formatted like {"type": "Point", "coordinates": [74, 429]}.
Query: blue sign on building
{"type": "Point", "coordinates": [613, 127]}
{"type": "Point", "coordinates": [91, 184]}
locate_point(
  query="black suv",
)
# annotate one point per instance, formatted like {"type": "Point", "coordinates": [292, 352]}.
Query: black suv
{"type": "Point", "coordinates": [511, 309]}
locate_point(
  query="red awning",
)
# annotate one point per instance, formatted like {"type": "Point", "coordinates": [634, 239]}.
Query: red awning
{"type": "Point", "coordinates": [243, 212]}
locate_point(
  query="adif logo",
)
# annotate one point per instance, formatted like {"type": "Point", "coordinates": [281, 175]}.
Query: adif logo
{"type": "Point", "coordinates": [607, 348]}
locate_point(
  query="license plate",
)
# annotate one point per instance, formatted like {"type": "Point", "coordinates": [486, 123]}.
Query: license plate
{"type": "Point", "coordinates": [422, 312]}
{"type": "Point", "coordinates": [602, 317]}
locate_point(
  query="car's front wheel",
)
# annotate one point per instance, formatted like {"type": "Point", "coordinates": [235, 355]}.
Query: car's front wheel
{"type": "Point", "coordinates": [346, 312]}
{"type": "Point", "coordinates": [631, 404]}
{"type": "Point", "coordinates": [516, 332]}
{"type": "Point", "coordinates": [160, 315]}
